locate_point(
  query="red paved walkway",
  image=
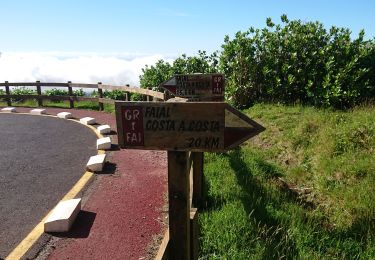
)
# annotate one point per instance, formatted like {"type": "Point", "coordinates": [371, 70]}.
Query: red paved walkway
{"type": "Point", "coordinates": [124, 211]}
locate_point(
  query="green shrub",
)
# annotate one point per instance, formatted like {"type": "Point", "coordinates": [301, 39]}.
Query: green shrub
{"type": "Point", "coordinates": [154, 75]}
{"type": "Point", "coordinates": [56, 92]}
{"type": "Point", "coordinates": [2, 92]}
{"type": "Point", "coordinates": [291, 62]}
{"type": "Point", "coordinates": [21, 91]}
{"type": "Point", "coordinates": [136, 97]}
{"type": "Point", "coordinates": [299, 62]}
{"type": "Point", "coordinates": [115, 94]}
{"type": "Point", "coordinates": [63, 92]}
{"type": "Point", "coordinates": [79, 93]}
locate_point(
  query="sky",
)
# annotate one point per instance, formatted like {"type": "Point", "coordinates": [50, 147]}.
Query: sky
{"type": "Point", "coordinates": [111, 41]}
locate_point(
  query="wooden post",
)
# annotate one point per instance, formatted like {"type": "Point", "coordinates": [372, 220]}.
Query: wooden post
{"type": "Point", "coordinates": [179, 205]}
{"type": "Point", "coordinates": [39, 92]}
{"type": "Point", "coordinates": [194, 234]}
{"type": "Point", "coordinates": [7, 91]}
{"type": "Point", "coordinates": [127, 95]}
{"type": "Point", "coordinates": [100, 95]}
{"type": "Point", "coordinates": [166, 95]}
{"type": "Point", "coordinates": [71, 101]}
{"type": "Point", "coordinates": [198, 161]}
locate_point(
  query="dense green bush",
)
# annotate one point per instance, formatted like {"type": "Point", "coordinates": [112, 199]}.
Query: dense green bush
{"type": "Point", "coordinates": [2, 92]}
{"type": "Point", "coordinates": [21, 91]}
{"type": "Point", "coordinates": [136, 97]}
{"type": "Point", "coordinates": [63, 92]}
{"type": "Point", "coordinates": [292, 62]}
{"type": "Point", "coordinates": [114, 94]}
{"type": "Point", "coordinates": [156, 74]}
{"type": "Point", "coordinates": [298, 62]}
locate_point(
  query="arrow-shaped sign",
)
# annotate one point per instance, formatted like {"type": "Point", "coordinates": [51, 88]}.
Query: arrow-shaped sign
{"type": "Point", "coordinates": [198, 86]}
{"type": "Point", "coordinates": [191, 126]}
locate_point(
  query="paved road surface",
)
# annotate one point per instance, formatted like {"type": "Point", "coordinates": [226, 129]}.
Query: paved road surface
{"type": "Point", "coordinates": [40, 160]}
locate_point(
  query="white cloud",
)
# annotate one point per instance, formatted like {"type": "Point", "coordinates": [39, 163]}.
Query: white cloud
{"type": "Point", "coordinates": [116, 69]}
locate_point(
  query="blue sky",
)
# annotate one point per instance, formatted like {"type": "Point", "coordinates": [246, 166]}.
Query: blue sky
{"type": "Point", "coordinates": [111, 40]}
{"type": "Point", "coordinates": [157, 27]}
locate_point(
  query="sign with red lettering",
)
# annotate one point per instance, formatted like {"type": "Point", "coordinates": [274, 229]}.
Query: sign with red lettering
{"type": "Point", "coordinates": [196, 86]}
{"type": "Point", "coordinates": [190, 126]}
{"type": "Point", "coordinates": [217, 84]}
{"type": "Point", "coordinates": [133, 126]}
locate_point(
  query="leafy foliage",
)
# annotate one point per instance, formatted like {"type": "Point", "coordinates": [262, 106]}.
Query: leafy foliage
{"type": "Point", "coordinates": [2, 92]}
{"type": "Point", "coordinates": [21, 91]}
{"type": "Point", "coordinates": [298, 62]}
{"type": "Point", "coordinates": [156, 74]}
{"type": "Point", "coordinates": [114, 94]}
{"type": "Point", "coordinates": [63, 92]}
{"type": "Point", "coordinates": [291, 62]}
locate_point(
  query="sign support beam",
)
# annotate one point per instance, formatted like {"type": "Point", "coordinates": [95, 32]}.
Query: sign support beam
{"type": "Point", "coordinates": [179, 205]}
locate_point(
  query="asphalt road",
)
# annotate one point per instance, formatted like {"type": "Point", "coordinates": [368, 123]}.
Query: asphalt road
{"type": "Point", "coordinates": [41, 158]}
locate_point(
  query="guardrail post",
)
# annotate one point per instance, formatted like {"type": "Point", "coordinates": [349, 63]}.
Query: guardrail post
{"type": "Point", "coordinates": [100, 95]}
{"type": "Point", "coordinates": [39, 92]}
{"type": "Point", "coordinates": [179, 205]}
{"type": "Point", "coordinates": [70, 90]}
{"type": "Point", "coordinates": [198, 161]}
{"type": "Point", "coordinates": [7, 91]}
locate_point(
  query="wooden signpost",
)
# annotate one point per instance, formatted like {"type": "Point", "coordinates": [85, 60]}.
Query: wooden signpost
{"type": "Point", "coordinates": [181, 128]}
{"type": "Point", "coordinates": [196, 87]}
{"type": "Point", "coordinates": [190, 126]}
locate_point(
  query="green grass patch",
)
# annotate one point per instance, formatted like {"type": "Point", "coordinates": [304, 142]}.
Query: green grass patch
{"type": "Point", "coordinates": [303, 189]}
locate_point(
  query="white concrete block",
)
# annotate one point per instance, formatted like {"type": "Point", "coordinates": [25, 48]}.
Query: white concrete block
{"type": "Point", "coordinates": [38, 111]}
{"type": "Point", "coordinates": [64, 115]}
{"type": "Point", "coordinates": [96, 163]}
{"type": "Point", "coordinates": [63, 216]}
{"type": "Point", "coordinates": [88, 120]}
{"type": "Point", "coordinates": [104, 129]}
{"type": "Point", "coordinates": [8, 109]}
{"type": "Point", "coordinates": [103, 143]}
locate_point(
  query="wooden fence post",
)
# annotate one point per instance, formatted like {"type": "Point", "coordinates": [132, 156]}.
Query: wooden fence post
{"type": "Point", "coordinates": [100, 95]}
{"type": "Point", "coordinates": [179, 205]}
{"type": "Point", "coordinates": [198, 161]}
{"type": "Point", "coordinates": [39, 92]}
{"type": "Point", "coordinates": [7, 91]}
{"type": "Point", "coordinates": [70, 90]}
{"type": "Point", "coordinates": [127, 98]}
{"type": "Point", "coordinates": [166, 95]}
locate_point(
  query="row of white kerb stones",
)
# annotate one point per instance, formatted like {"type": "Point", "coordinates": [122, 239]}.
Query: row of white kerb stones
{"type": "Point", "coordinates": [96, 162]}
{"type": "Point", "coordinates": [65, 212]}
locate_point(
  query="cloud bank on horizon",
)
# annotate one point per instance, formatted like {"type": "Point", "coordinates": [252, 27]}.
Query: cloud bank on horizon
{"type": "Point", "coordinates": [116, 69]}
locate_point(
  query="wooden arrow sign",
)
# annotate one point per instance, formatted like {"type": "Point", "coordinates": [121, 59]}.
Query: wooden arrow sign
{"type": "Point", "coordinates": [191, 126]}
{"type": "Point", "coordinates": [196, 86]}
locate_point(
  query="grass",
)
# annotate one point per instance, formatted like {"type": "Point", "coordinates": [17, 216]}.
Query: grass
{"type": "Point", "coordinates": [303, 189]}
